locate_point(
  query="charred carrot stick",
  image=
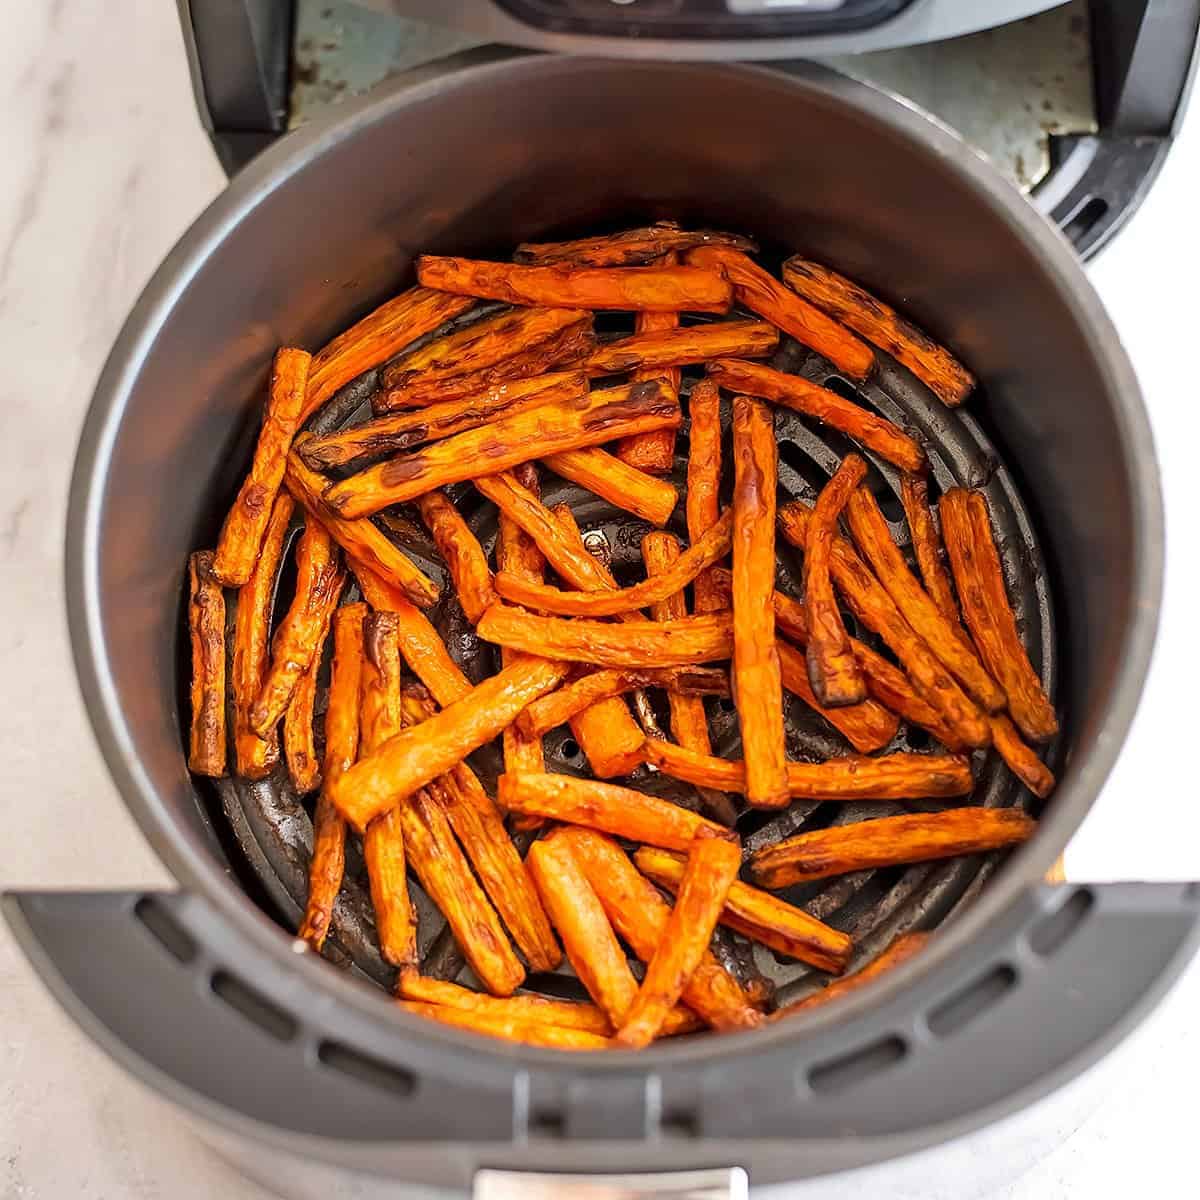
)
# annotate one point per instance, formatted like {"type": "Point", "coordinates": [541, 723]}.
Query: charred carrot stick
{"type": "Point", "coordinates": [518, 437]}
{"type": "Point", "coordinates": [246, 525]}
{"type": "Point", "coordinates": [712, 865]}
{"type": "Point", "coordinates": [206, 623]}
{"type": "Point", "coordinates": [377, 337]}
{"type": "Point", "coordinates": [945, 639]}
{"type": "Point", "coordinates": [661, 289]}
{"type": "Point", "coordinates": [967, 529]}
{"type": "Point", "coordinates": [764, 294]}
{"type": "Point", "coordinates": [509, 1029]}
{"type": "Point", "coordinates": [639, 914]}
{"type": "Point", "coordinates": [869, 317]}
{"type": "Point", "coordinates": [704, 479]}
{"type": "Point", "coordinates": [876, 433]}
{"type": "Point", "coordinates": [757, 686]}
{"type": "Point", "coordinates": [659, 349]}
{"type": "Point", "coordinates": [299, 734]}
{"type": "Point", "coordinates": [914, 495]}
{"type": "Point", "coordinates": [630, 247]}
{"type": "Point", "coordinates": [621, 483]}
{"type": "Point", "coordinates": [759, 915]}
{"type": "Point", "coordinates": [603, 806]}
{"type": "Point", "coordinates": [889, 841]}
{"type": "Point", "coordinates": [341, 748]}
{"type": "Point", "coordinates": [460, 550]}
{"type": "Point", "coordinates": [832, 668]}
{"type": "Point", "coordinates": [385, 436]}
{"type": "Point", "coordinates": [256, 757]}
{"type": "Point", "coordinates": [363, 542]}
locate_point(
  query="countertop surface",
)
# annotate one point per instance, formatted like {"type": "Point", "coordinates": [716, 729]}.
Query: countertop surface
{"type": "Point", "coordinates": [105, 165]}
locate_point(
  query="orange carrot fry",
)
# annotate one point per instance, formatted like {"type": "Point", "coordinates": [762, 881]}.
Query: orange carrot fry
{"type": "Point", "coordinates": [764, 918]}
{"type": "Point", "coordinates": [704, 479]}
{"type": "Point", "coordinates": [629, 248]}
{"type": "Point", "coordinates": [944, 638]}
{"type": "Point", "coordinates": [869, 317]}
{"type": "Point", "coordinates": [341, 748]}
{"type": "Point", "coordinates": [509, 1029]}
{"type": "Point", "coordinates": [460, 550]}
{"type": "Point", "coordinates": [206, 622]}
{"type": "Point", "coordinates": [712, 865]}
{"type": "Point", "coordinates": [967, 529]}
{"type": "Point", "coordinates": [914, 495]}
{"type": "Point", "coordinates": [377, 337]}
{"type": "Point", "coordinates": [245, 526]}
{"type": "Point", "coordinates": [660, 349]}
{"type": "Point", "coordinates": [299, 734]}
{"type": "Point", "coordinates": [1020, 759]}
{"type": "Point", "coordinates": [757, 687]}
{"type": "Point", "coordinates": [663, 289]}
{"type": "Point", "coordinates": [764, 294]}
{"type": "Point", "coordinates": [832, 668]}
{"type": "Point", "coordinates": [510, 439]}
{"type": "Point", "coordinates": [876, 433]}
{"type": "Point", "coordinates": [603, 806]}
{"type": "Point", "coordinates": [887, 842]}
{"type": "Point", "coordinates": [256, 757]}
{"type": "Point", "coordinates": [622, 483]}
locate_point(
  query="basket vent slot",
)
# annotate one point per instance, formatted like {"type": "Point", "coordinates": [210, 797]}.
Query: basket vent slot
{"type": "Point", "coordinates": [1051, 933]}
{"type": "Point", "coordinates": [851, 1069]}
{"type": "Point", "coordinates": [255, 1008]}
{"type": "Point", "coordinates": [952, 1015]}
{"type": "Point", "coordinates": [165, 929]}
{"type": "Point", "coordinates": [368, 1070]}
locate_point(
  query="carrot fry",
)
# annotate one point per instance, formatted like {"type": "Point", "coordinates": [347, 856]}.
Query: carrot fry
{"type": "Point", "coordinates": [416, 756]}
{"type": "Point", "coordinates": [245, 526]}
{"type": "Point", "coordinates": [832, 668]}
{"type": "Point", "coordinates": [319, 581]}
{"type": "Point", "coordinates": [385, 436]}
{"type": "Point", "coordinates": [888, 842]}
{"type": "Point", "coordinates": [603, 806]}
{"type": "Point", "coordinates": [710, 549]}
{"type": "Point", "coordinates": [869, 317]}
{"type": "Point", "coordinates": [663, 289]}
{"type": "Point", "coordinates": [375, 338]}
{"type": "Point", "coordinates": [902, 949]}
{"type": "Point", "coordinates": [712, 865]}
{"type": "Point", "coordinates": [967, 529]}
{"type": "Point", "coordinates": [628, 248]}
{"type": "Point", "coordinates": [757, 687]}
{"type": "Point", "coordinates": [206, 623]}
{"type": "Point", "coordinates": [914, 495]}
{"type": "Point", "coordinates": [518, 437]}
{"type": "Point", "coordinates": [765, 295]}
{"type": "Point", "coordinates": [888, 777]}
{"type": "Point", "coordinates": [870, 602]}
{"type": "Point", "coordinates": [876, 433]}
{"type": "Point", "coordinates": [509, 1029]}
{"type": "Point", "coordinates": [659, 349]}
{"type": "Point", "coordinates": [944, 638]}
{"type": "Point", "coordinates": [704, 479]}
{"type": "Point", "coordinates": [1020, 759]}
{"type": "Point", "coordinates": [299, 734]}
{"type": "Point", "coordinates": [256, 757]}
{"type": "Point", "coordinates": [341, 748]}
{"type": "Point", "coordinates": [362, 540]}
{"type": "Point", "coordinates": [621, 483]}
{"type": "Point", "coordinates": [460, 550]}
{"type": "Point", "coordinates": [759, 915]}
{"type": "Point", "coordinates": [639, 914]}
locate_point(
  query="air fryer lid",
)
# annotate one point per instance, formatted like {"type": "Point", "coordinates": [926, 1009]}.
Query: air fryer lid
{"type": "Point", "coordinates": [198, 991]}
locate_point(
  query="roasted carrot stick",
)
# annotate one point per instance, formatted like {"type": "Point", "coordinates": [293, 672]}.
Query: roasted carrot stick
{"type": "Point", "coordinates": [1021, 759]}
{"type": "Point", "coordinates": [662, 289]}
{"type": "Point", "coordinates": [944, 638]}
{"type": "Point", "coordinates": [712, 865]}
{"type": "Point", "coordinates": [246, 525]}
{"type": "Point", "coordinates": [620, 483]}
{"type": "Point", "coordinates": [603, 806]}
{"type": "Point", "coordinates": [764, 918]}
{"type": "Point", "coordinates": [341, 748]}
{"type": "Point", "coordinates": [460, 550]}
{"type": "Point", "coordinates": [868, 316]}
{"type": "Point", "coordinates": [967, 529]}
{"type": "Point", "coordinates": [639, 914]}
{"type": "Point", "coordinates": [757, 687]}
{"type": "Point", "coordinates": [764, 294]}
{"type": "Point", "coordinates": [299, 734]}
{"type": "Point", "coordinates": [256, 757]}
{"type": "Point", "coordinates": [628, 248]}
{"type": "Point", "coordinates": [416, 756]}
{"type": "Point", "coordinates": [832, 668]}
{"type": "Point", "coordinates": [876, 433]}
{"type": "Point", "coordinates": [376, 338]}
{"type": "Point", "coordinates": [887, 842]}
{"type": "Point", "coordinates": [914, 495]}
{"type": "Point", "coordinates": [659, 349]}
{"type": "Point", "coordinates": [704, 479]}
{"type": "Point", "coordinates": [509, 1029]}
{"type": "Point", "coordinates": [206, 623]}
{"type": "Point", "coordinates": [385, 436]}
{"type": "Point", "coordinates": [515, 438]}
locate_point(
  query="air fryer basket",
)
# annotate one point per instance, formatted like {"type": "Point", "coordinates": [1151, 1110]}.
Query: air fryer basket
{"type": "Point", "coordinates": [200, 993]}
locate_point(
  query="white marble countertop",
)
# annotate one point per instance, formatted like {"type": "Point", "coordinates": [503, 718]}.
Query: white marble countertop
{"type": "Point", "coordinates": [104, 166]}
